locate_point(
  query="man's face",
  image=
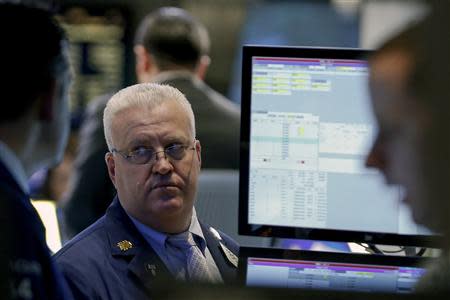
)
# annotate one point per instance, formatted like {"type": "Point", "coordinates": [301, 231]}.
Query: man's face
{"type": "Point", "coordinates": [55, 131]}
{"type": "Point", "coordinates": [402, 149]}
{"type": "Point", "coordinates": [62, 115]}
{"type": "Point", "coordinates": [160, 194]}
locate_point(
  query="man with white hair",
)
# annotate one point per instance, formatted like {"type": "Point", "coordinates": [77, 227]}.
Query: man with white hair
{"type": "Point", "coordinates": [171, 47]}
{"type": "Point", "coordinates": [151, 230]}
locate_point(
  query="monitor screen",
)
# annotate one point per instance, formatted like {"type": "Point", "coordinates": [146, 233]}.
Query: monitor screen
{"type": "Point", "coordinates": [306, 128]}
{"type": "Point", "coordinates": [330, 271]}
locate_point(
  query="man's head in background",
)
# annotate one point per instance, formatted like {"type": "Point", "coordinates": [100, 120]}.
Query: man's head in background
{"type": "Point", "coordinates": [170, 39]}
{"type": "Point", "coordinates": [409, 84]}
{"type": "Point", "coordinates": [34, 80]}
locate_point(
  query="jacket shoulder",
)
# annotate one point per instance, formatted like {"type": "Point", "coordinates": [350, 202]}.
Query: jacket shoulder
{"type": "Point", "coordinates": [82, 258]}
{"type": "Point", "coordinates": [89, 243]}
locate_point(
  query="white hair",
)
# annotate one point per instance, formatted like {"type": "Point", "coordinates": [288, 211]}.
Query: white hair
{"type": "Point", "coordinates": [148, 95]}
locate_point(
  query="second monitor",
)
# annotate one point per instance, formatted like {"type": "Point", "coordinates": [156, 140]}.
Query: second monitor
{"type": "Point", "coordinates": [306, 128]}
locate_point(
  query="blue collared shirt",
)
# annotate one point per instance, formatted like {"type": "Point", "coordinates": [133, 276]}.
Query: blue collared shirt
{"type": "Point", "coordinates": [175, 262]}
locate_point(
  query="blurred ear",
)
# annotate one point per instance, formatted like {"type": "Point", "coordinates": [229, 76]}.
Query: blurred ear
{"type": "Point", "coordinates": [202, 67]}
{"type": "Point", "coordinates": [111, 165]}
{"type": "Point", "coordinates": [198, 151]}
{"type": "Point", "coordinates": [47, 102]}
{"type": "Point", "coordinates": [144, 62]}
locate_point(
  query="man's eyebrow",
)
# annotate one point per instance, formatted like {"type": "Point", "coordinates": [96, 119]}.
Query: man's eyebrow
{"type": "Point", "coordinates": [139, 141]}
{"type": "Point", "coordinates": [175, 139]}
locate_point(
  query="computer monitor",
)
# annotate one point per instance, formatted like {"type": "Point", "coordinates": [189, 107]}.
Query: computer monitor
{"type": "Point", "coordinates": [306, 127]}
{"type": "Point", "coordinates": [330, 271]}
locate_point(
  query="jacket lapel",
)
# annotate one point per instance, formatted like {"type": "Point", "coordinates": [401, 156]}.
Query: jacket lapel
{"type": "Point", "coordinates": [148, 268]}
{"type": "Point", "coordinates": [127, 243]}
{"type": "Point", "coordinates": [225, 266]}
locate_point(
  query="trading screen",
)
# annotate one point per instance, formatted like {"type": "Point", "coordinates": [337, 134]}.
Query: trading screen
{"type": "Point", "coordinates": [311, 128]}
{"type": "Point", "coordinates": [331, 275]}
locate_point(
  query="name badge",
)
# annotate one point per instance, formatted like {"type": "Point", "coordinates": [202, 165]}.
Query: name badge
{"type": "Point", "coordinates": [232, 258]}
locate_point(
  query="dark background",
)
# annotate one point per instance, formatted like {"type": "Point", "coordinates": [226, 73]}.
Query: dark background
{"type": "Point", "coordinates": [103, 65]}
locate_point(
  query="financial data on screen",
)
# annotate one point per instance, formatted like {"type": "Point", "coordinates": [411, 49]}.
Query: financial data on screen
{"type": "Point", "coordinates": [311, 128]}
{"type": "Point", "coordinates": [332, 275]}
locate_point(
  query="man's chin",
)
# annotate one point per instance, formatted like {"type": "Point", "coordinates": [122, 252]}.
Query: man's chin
{"type": "Point", "coordinates": [170, 205]}
{"type": "Point", "coordinates": [422, 218]}
{"type": "Point", "coordinates": [416, 213]}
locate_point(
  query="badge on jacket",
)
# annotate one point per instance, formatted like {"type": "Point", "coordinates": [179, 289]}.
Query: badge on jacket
{"type": "Point", "coordinates": [124, 245]}
{"type": "Point", "coordinates": [232, 258]}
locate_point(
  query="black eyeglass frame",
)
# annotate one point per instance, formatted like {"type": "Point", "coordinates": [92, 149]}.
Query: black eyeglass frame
{"type": "Point", "coordinates": [154, 154]}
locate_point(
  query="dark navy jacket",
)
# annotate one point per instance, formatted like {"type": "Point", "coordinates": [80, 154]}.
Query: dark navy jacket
{"type": "Point", "coordinates": [112, 260]}
{"type": "Point", "coordinates": [32, 273]}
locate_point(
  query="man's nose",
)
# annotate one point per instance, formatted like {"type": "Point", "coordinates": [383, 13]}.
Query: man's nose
{"type": "Point", "coordinates": [375, 158]}
{"type": "Point", "coordinates": [370, 159]}
{"type": "Point", "coordinates": [162, 164]}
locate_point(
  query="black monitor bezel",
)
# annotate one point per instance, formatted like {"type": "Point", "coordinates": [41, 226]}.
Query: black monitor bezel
{"type": "Point", "coordinates": [245, 228]}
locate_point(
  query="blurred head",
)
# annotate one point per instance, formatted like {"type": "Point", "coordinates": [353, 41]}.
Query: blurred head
{"type": "Point", "coordinates": [154, 159]}
{"type": "Point", "coordinates": [413, 114]}
{"type": "Point", "coordinates": [34, 80]}
{"type": "Point", "coordinates": [170, 39]}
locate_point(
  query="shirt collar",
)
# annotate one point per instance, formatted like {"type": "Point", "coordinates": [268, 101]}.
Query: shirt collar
{"type": "Point", "coordinates": [153, 236]}
{"type": "Point", "coordinates": [169, 75]}
{"type": "Point", "coordinates": [14, 166]}
{"type": "Point", "coordinates": [197, 232]}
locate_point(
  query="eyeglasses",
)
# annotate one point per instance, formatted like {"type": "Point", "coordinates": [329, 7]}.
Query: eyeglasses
{"type": "Point", "coordinates": [143, 156]}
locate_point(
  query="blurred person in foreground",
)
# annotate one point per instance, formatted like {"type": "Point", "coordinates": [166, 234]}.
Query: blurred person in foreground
{"type": "Point", "coordinates": [171, 47]}
{"type": "Point", "coordinates": [34, 125]}
{"type": "Point", "coordinates": [409, 84]}
{"type": "Point", "coordinates": [150, 232]}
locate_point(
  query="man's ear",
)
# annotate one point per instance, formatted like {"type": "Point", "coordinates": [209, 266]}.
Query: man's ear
{"type": "Point", "coordinates": [202, 67]}
{"type": "Point", "coordinates": [198, 151]}
{"type": "Point", "coordinates": [47, 102]}
{"type": "Point", "coordinates": [144, 63]}
{"type": "Point", "coordinates": [111, 165]}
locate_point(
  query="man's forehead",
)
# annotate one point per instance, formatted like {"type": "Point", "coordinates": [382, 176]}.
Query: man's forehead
{"type": "Point", "coordinates": [393, 66]}
{"type": "Point", "coordinates": [163, 120]}
{"type": "Point", "coordinates": [166, 112]}
{"type": "Point", "coordinates": [392, 97]}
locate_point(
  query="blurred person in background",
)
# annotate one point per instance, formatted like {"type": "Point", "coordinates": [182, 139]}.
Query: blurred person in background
{"type": "Point", "coordinates": [34, 125]}
{"type": "Point", "coordinates": [51, 184]}
{"type": "Point", "coordinates": [171, 47]}
{"type": "Point", "coordinates": [150, 232]}
{"type": "Point", "coordinates": [409, 84]}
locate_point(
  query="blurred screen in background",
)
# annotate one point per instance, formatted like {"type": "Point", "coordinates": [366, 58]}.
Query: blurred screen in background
{"type": "Point", "coordinates": [295, 23]}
